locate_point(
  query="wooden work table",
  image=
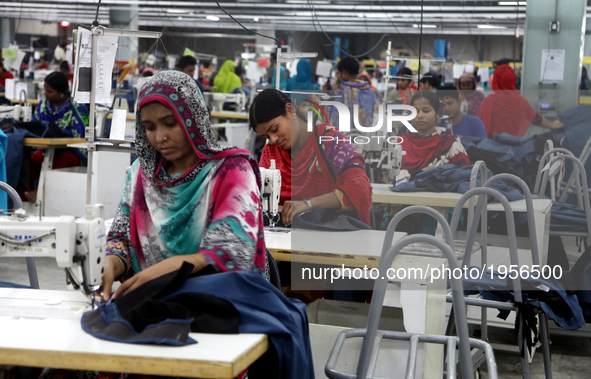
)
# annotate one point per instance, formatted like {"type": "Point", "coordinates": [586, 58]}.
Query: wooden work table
{"type": "Point", "coordinates": [50, 142]}
{"type": "Point", "coordinates": [28, 101]}
{"type": "Point", "coordinates": [357, 248]}
{"type": "Point", "coordinates": [42, 329]}
{"type": "Point", "coordinates": [232, 115]}
{"type": "Point", "coordinates": [382, 194]}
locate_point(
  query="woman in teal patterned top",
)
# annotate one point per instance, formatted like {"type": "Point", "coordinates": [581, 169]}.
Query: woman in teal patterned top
{"type": "Point", "coordinates": [58, 107]}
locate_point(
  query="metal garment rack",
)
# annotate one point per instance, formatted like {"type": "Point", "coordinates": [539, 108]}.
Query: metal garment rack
{"type": "Point", "coordinates": [96, 32]}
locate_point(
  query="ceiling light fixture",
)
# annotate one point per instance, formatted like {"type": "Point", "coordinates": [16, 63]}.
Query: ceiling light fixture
{"type": "Point", "coordinates": [176, 11]}
{"type": "Point", "coordinates": [512, 3]}
{"type": "Point", "coordinates": [424, 26]}
{"type": "Point", "coordinates": [65, 24]}
{"type": "Point", "coordinates": [213, 18]}
{"type": "Point", "coordinates": [256, 19]}
{"type": "Point", "coordinates": [491, 27]}
{"type": "Point", "coordinates": [306, 1]}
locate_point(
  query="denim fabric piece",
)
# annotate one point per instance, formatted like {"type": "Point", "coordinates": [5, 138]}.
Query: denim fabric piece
{"type": "Point", "coordinates": [486, 284]}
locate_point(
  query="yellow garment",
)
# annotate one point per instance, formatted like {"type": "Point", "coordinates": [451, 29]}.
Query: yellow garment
{"type": "Point", "coordinates": [226, 80]}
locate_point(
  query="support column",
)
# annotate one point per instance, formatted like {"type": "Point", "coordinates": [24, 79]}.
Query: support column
{"type": "Point", "coordinates": [572, 17]}
{"type": "Point", "coordinates": [7, 31]}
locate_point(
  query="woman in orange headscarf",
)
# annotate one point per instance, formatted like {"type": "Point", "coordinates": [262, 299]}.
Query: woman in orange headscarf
{"type": "Point", "coordinates": [506, 111]}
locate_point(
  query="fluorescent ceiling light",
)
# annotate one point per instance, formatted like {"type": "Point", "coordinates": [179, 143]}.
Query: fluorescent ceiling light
{"type": "Point", "coordinates": [372, 15]}
{"type": "Point", "coordinates": [512, 3]}
{"type": "Point", "coordinates": [213, 18]}
{"type": "Point", "coordinates": [486, 26]}
{"type": "Point", "coordinates": [256, 19]}
{"type": "Point", "coordinates": [306, 1]}
{"type": "Point", "coordinates": [424, 26]}
{"type": "Point", "coordinates": [176, 11]}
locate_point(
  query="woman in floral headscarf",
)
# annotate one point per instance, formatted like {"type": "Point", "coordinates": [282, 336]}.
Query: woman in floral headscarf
{"type": "Point", "coordinates": [186, 198]}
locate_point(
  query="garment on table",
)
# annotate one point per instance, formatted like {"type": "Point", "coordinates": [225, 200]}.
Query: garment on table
{"type": "Point", "coordinates": [506, 110]}
{"type": "Point", "coordinates": [355, 93]}
{"type": "Point", "coordinates": [334, 165]}
{"type": "Point", "coordinates": [6, 75]}
{"type": "Point", "coordinates": [470, 126]}
{"type": "Point", "coordinates": [226, 80]}
{"type": "Point", "coordinates": [213, 208]}
{"type": "Point", "coordinates": [71, 117]}
{"type": "Point", "coordinates": [14, 153]}
{"type": "Point", "coordinates": [231, 302]}
{"type": "Point", "coordinates": [560, 305]}
{"type": "Point", "coordinates": [433, 150]}
{"type": "Point", "coordinates": [282, 77]}
{"type": "Point", "coordinates": [451, 178]}
{"type": "Point", "coordinates": [581, 273]}
{"type": "Point", "coordinates": [508, 154]}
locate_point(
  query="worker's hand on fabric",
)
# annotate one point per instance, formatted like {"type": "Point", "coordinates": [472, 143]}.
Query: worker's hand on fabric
{"type": "Point", "coordinates": [159, 269]}
{"type": "Point", "coordinates": [557, 124]}
{"type": "Point", "coordinates": [292, 208]}
{"type": "Point", "coordinates": [113, 269]}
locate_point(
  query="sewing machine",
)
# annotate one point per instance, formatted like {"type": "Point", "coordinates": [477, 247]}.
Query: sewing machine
{"type": "Point", "coordinates": [77, 244]}
{"type": "Point", "coordinates": [270, 191]}
{"type": "Point", "coordinates": [22, 113]}
{"type": "Point", "coordinates": [382, 155]}
{"type": "Point", "coordinates": [216, 100]}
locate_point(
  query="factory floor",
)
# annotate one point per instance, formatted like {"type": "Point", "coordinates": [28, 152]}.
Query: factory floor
{"type": "Point", "coordinates": [571, 356]}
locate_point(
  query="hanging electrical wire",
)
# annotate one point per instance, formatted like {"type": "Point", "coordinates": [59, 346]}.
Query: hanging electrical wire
{"type": "Point", "coordinates": [245, 28]}
{"type": "Point", "coordinates": [395, 27]}
{"type": "Point", "coordinates": [95, 22]}
{"type": "Point", "coordinates": [337, 45]}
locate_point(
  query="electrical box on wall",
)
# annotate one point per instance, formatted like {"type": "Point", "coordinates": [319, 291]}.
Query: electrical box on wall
{"type": "Point", "coordinates": [555, 26]}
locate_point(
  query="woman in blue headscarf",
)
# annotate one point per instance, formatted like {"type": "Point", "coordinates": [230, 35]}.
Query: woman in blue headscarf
{"type": "Point", "coordinates": [303, 79]}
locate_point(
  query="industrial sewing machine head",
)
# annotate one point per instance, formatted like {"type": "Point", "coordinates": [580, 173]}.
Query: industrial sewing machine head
{"type": "Point", "coordinates": [391, 159]}
{"type": "Point", "coordinates": [217, 101]}
{"type": "Point", "coordinates": [270, 191]}
{"type": "Point", "coordinates": [77, 244]}
{"type": "Point", "coordinates": [382, 157]}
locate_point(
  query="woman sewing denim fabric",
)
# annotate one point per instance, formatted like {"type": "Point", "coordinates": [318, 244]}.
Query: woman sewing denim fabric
{"type": "Point", "coordinates": [186, 198]}
{"type": "Point", "coordinates": [327, 174]}
{"type": "Point", "coordinates": [431, 145]}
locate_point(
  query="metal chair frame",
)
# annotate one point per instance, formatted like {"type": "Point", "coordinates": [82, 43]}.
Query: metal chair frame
{"type": "Point", "coordinates": [486, 191]}
{"type": "Point", "coordinates": [372, 337]}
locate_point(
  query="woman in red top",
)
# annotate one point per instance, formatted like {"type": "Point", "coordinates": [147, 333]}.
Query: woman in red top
{"type": "Point", "coordinates": [506, 111]}
{"type": "Point", "coordinates": [317, 173]}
